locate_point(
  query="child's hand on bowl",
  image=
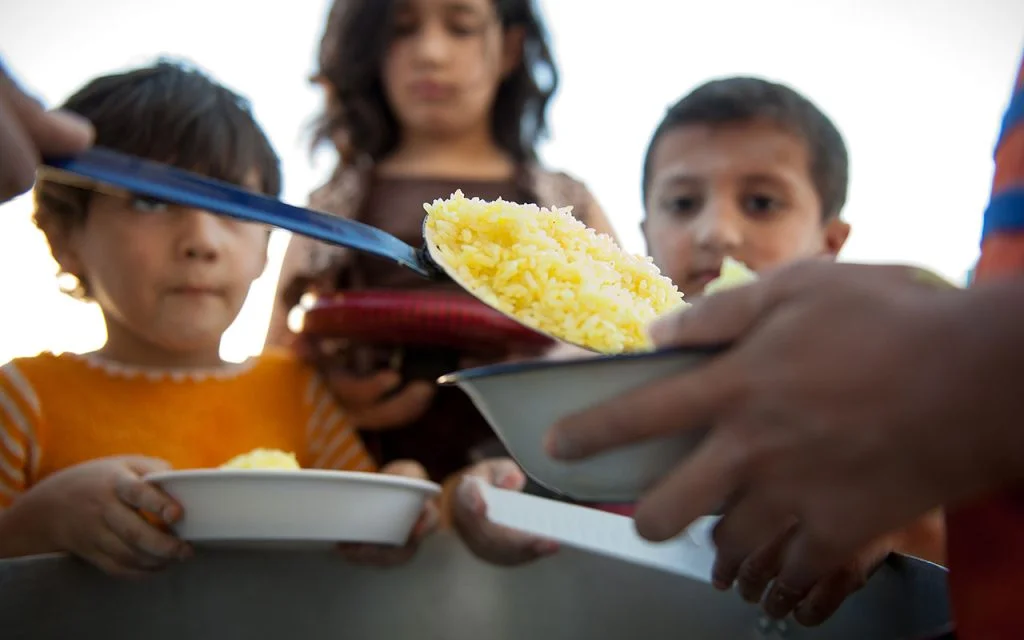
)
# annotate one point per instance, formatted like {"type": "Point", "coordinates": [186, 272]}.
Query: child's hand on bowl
{"type": "Point", "coordinates": [490, 542]}
{"type": "Point", "coordinates": [389, 556]}
{"type": "Point", "coordinates": [103, 512]}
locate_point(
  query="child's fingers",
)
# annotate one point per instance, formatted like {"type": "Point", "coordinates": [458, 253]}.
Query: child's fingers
{"type": "Point", "coordinates": [397, 410]}
{"type": "Point", "coordinates": [141, 537]}
{"type": "Point", "coordinates": [494, 543]}
{"type": "Point", "coordinates": [499, 472]}
{"type": "Point", "coordinates": [143, 496]}
{"type": "Point", "coordinates": [113, 556]}
{"type": "Point", "coordinates": [357, 392]}
{"type": "Point", "coordinates": [406, 469]}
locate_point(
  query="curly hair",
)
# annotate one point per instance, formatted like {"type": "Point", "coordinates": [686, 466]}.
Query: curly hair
{"type": "Point", "coordinates": [358, 118]}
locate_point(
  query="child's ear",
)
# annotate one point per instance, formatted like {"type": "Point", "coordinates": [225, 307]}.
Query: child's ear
{"type": "Point", "coordinates": [63, 244]}
{"type": "Point", "coordinates": [512, 50]}
{"type": "Point", "coordinates": [836, 233]}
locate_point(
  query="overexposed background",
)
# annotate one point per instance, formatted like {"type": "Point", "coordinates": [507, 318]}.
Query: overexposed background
{"type": "Point", "coordinates": [918, 88]}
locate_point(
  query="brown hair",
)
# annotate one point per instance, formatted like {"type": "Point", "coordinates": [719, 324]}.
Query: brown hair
{"type": "Point", "coordinates": [742, 99]}
{"type": "Point", "coordinates": [168, 112]}
{"type": "Point", "coordinates": [358, 118]}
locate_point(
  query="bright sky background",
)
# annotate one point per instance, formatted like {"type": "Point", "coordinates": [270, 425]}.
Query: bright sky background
{"type": "Point", "coordinates": [918, 88]}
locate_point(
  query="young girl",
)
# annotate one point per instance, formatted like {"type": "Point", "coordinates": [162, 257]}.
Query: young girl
{"type": "Point", "coordinates": [424, 97]}
{"type": "Point", "coordinates": [78, 433]}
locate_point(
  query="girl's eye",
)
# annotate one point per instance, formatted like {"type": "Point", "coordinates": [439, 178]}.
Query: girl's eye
{"type": "Point", "coordinates": [145, 204]}
{"type": "Point", "coordinates": [465, 27]}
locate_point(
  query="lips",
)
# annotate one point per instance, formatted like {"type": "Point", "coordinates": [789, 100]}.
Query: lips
{"type": "Point", "coordinates": [196, 290]}
{"type": "Point", "coordinates": [431, 90]}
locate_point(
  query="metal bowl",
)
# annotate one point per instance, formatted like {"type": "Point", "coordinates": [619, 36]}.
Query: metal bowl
{"type": "Point", "coordinates": [445, 593]}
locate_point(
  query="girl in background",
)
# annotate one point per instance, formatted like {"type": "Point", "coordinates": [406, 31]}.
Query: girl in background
{"type": "Point", "coordinates": [423, 97]}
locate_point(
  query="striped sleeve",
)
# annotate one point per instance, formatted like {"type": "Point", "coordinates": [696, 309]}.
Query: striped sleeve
{"type": "Point", "coordinates": [331, 440]}
{"type": "Point", "coordinates": [1002, 247]}
{"type": "Point", "coordinates": [19, 445]}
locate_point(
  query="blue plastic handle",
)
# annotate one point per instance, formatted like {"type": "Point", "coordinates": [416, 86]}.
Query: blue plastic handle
{"type": "Point", "coordinates": [155, 180]}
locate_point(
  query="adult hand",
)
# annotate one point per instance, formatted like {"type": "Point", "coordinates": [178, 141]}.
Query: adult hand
{"type": "Point", "coordinates": [854, 399]}
{"type": "Point", "coordinates": [27, 131]}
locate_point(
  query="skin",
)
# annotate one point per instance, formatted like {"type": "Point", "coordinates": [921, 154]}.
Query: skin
{"type": "Point", "coordinates": [101, 511]}
{"type": "Point", "coordinates": [807, 454]}
{"type": "Point", "coordinates": [742, 190]}
{"type": "Point", "coordinates": [441, 75]}
{"type": "Point", "coordinates": [27, 132]}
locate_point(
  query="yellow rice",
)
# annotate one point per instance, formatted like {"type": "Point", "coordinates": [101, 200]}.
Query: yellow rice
{"type": "Point", "coordinates": [263, 459]}
{"type": "Point", "coordinates": [549, 271]}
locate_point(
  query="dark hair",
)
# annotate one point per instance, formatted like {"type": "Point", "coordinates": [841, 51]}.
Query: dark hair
{"type": "Point", "coordinates": [168, 112]}
{"type": "Point", "coordinates": [355, 42]}
{"type": "Point", "coordinates": [742, 99]}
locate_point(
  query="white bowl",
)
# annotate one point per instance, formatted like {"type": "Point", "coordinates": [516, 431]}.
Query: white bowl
{"type": "Point", "coordinates": [523, 400]}
{"type": "Point", "coordinates": [309, 505]}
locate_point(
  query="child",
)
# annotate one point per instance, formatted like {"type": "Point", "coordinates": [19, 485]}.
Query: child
{"type": "Point", "coordinates": [424, 97]}
{"type": "Point", "coordinates": [752, 170]}
{"type": "Point", "coordinates": [79, 432]}
{"type": "Point", "coordinates": [745, 168]}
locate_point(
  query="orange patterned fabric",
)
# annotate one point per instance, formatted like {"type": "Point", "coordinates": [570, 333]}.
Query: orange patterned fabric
{"type": "Point", "coordinates": [60, 410]}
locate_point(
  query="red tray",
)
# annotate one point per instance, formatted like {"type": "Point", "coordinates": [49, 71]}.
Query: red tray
{"type": "Point", "coordinates": [413, 318]}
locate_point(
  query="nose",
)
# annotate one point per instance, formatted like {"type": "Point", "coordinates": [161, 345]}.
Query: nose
{"type": "Point", "coordinates": [200, 235]}
{"type": "Point", "coordinates": [432, 44]}
{"type": "Point", "coordinates": [718, 228]}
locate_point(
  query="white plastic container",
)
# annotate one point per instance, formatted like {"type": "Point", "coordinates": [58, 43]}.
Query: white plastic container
{"type": "Point", "coordinates": [306, 506]}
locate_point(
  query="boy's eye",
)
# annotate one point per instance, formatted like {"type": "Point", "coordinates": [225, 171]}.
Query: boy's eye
{"type": "Point", "coordinates": [760, 204]}
{"type": "Point", "coordinates": [681, 205]}
{"type": "Point", "coordinates": [145, 204]}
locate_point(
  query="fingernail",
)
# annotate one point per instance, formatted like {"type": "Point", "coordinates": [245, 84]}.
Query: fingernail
{"type": "Point", "coordinates": [468, 495]}
{"type": "Point", "coordinates": [545, 547]}
{"type": "Point", "coordinates": [169, 514]}
{"type": "Point", "coordinates": [720, 584]}
{"type": "Point", "coordinates": [557, 446]}
{"type": "Point", "coordinates": [506, 479]}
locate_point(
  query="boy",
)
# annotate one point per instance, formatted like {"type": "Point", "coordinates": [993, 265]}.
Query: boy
{"type": "Point", "coordinates": [744, 168]}
{"type": "Point", "coordinates": [752, 170]}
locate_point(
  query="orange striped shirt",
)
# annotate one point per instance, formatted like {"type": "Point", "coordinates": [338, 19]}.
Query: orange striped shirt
{"type": "Point", "coordinates": [57, 411]}
{"type": "Point", "coordinates": [986, 539]}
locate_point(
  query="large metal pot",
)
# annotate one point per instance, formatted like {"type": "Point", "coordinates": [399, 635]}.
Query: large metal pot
{"type": "Point", "coordinates": [443, 594]}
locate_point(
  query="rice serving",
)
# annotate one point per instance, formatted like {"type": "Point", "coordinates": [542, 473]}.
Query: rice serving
{"type": "Point", "coordinates": [549, 271]}
{"type": "Point", "coordinates": [264, 459]}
